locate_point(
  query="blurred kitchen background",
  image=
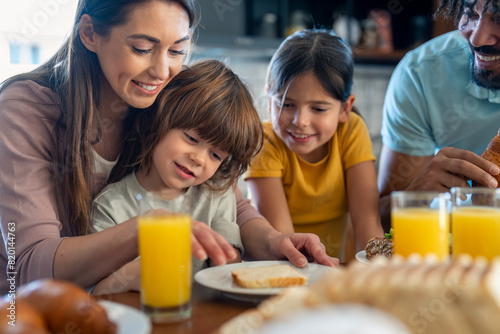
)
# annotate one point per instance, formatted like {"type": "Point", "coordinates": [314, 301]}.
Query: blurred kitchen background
{"type": "Point", "coordinates": [246, 33]}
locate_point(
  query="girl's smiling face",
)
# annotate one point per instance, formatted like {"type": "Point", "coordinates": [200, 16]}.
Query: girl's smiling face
{"type": "Point", "coordinates": [139, 58]}
{"type": "Point", "coordinates": [307, 118]}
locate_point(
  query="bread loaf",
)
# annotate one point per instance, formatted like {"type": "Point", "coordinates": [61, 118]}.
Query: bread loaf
{"type": "Point", "coordinates": [492, 153]}
{"type": "Point", "coordinates": [428, 296]}
{"type": "Point", "coordinates": [281, 275]}
{"type": "Point", "coordinates": [63, 306]}
{"type": "Point", "coordinates": [21, 318]}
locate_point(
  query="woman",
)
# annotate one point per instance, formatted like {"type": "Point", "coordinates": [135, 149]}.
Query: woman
{"type": "Point", "coordinates": [60, 135]}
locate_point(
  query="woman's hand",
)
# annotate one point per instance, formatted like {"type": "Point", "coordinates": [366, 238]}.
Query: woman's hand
{"type": "Point", "coordinates": [263, 242]}
{"type": "Point", "coordinates": [208, 243]}
{"type": "Point", "coordinates": [298, 248]}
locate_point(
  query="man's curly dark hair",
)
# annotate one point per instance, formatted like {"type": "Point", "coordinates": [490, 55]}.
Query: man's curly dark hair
{"type": "Point", "coordinates": [453, 9]}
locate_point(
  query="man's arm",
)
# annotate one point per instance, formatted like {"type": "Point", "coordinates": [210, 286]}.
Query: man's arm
{"type": "Point", "coordinates": [450, 167]}
{"type": "Point", "coordinates": [396, 171]}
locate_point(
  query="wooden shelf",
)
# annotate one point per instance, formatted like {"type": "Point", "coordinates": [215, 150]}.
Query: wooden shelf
{"type": "Point", "coordinates": [377, 56]}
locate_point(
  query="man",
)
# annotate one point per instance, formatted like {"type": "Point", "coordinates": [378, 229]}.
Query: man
{"type": "Point", "coordinates": [443, 106]}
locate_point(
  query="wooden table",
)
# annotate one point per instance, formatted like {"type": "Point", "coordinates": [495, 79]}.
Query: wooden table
{"type": "Point", "coordinates": [210, 309]}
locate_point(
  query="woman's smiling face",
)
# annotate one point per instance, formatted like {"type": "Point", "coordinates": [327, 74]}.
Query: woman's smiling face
{"type": "Point", "coordinates": [138, 59]}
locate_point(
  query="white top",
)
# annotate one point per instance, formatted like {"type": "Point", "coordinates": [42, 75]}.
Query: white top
{"type": "Point", "coordinates": [101, 165]}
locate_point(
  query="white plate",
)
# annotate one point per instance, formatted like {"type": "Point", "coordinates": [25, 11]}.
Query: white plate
{"type": "Point", "coordinates": [128, 320]}
{"type": "Point", "coordinates": [334, 319]}
{"type": "Point", "coordinates": [219, 278]}
{"type": "Point", "coordinates": [361, 257]}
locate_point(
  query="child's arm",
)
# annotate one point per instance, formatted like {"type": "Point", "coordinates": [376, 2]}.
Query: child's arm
{"type": "Point", "coordinates": [270, 200]}
{"type": "Point", "coordinates": [223, 220]}
{"type": "Point", "coordinates": [363, 199]}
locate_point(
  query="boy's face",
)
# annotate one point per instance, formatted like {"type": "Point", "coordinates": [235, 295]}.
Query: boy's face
{"type": "Point", "coordinates": [182, 159]}
{"type": "Point", "coordinates": [482, 31]}
{"type": "Point", "coordinates": [308, 117]}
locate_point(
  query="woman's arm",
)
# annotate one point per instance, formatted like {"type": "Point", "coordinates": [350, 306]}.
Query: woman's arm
{"type": "Point", "coordinates": [263, 242]}
{"type": "Point", "coordinates": [28, 184]}
{"type": "Point", "coordinates": [205, 243]}
{"type": "Point", "coordinates": [363, 199]}
{"type": "Point", "coordinates": [87, 259]}
{"type": "Point", "coordinates": [270, 200]}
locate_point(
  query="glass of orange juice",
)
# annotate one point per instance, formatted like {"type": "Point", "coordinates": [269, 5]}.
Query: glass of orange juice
{"type": "Point", "coordinates": [165, 251]}
{"type": "Point", "coordinates": [421, 223]}
{"type": "Point", "coordinates": [475, 221]}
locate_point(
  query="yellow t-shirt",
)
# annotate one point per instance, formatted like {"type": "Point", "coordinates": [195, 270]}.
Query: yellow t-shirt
{"type": "Point", "coordinates": [316, 192]}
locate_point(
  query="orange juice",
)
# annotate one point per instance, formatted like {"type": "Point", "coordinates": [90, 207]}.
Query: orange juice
{"type": "Point", "coordinates": [165, 250]}
{"type": "Point", "coordinates": [476, 231]}
{"type": "Point", "coordinates": [420, 230]}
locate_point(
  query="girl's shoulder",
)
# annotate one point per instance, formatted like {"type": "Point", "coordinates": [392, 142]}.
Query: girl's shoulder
{"type": "Point", "coordinates": [268, 128]}
{"type": "Point", "coordinates": [269, 133]}
{"type": "Point", "coordinates": [355, 123]}
{"type": "Point", "coordinates": [271, 139]}
{"type": "Point", "coordinates": [355, 118]}
{"type": "Point", "coordinates": [355, 130]}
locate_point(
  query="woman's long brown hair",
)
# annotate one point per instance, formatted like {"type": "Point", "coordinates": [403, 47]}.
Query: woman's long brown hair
{"type": "Point", "coordinates": [73, 74]}
{"type": "Point", "coordinates": [206, 96]}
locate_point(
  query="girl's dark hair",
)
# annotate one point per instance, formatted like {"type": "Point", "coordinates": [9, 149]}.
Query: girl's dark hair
{"type": "Point", "coordinates": [454, 9]}
{"type": "Point", "coordinates": [320, 51]}
{"type": "Point", "coordinates": [73, 74]}
{"type": "Point", "coordinates": [206, 96]}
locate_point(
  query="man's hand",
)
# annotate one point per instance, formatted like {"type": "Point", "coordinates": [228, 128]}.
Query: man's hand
{"type": "Point", "coordinates": [452, 167]}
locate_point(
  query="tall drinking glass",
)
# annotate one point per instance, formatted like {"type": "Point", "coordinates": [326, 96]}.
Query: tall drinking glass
{"type": "Point", "coordinates": [165, 251]}
{"type": "Point", "coordinates": [421, 223]}
{"type": "Point", "coordinates": [475, 221]}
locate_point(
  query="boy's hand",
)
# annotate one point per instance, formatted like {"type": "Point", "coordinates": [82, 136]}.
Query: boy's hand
{"type": "Point", "coordinates": [237, 259]}
{"type": "Point", "coordinates": [208, 243]}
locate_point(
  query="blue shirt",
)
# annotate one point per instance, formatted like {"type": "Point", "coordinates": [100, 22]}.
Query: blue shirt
{"type": "Point", "coordinates": [432, 103]}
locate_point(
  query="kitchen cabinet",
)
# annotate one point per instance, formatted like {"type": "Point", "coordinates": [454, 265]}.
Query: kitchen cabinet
{"type": "Point", "coordinates": [255, 21]}
{"type": "Point", "coordinates": [245, 33]}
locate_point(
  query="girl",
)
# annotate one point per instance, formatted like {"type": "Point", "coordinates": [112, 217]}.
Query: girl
{"type": "Point", "coordinates": [198, 143]}
{"type": "Point", "coordinates": [317, 164]}
{"type": "Point", "coordinates": [61, 132]}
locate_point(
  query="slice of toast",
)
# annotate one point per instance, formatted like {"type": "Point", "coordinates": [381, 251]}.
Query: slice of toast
{"type": "Point", "coordinates": [281, 275]}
